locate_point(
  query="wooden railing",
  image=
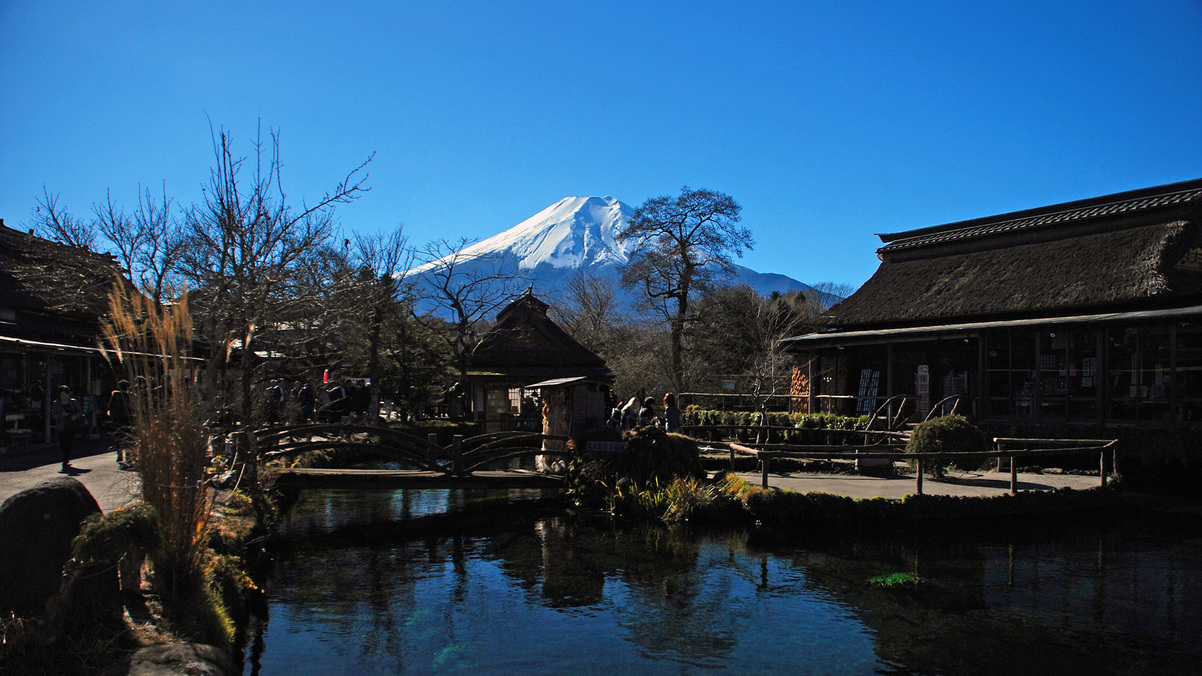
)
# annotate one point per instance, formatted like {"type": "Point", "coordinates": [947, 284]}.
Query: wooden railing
{"type": "Point", "coordinates": [1044, 448]}
{"type": "Point", "coordinates": [461, 458]}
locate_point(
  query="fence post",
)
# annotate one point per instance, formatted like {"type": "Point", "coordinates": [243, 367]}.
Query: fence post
{"type": "Point", "coordinates": [764, 460]}
{"type": "Point", "coordinates": [432, 448]}
{"type": "Point", "coordinates": [456, 452]}
{"type": "Point", "coordinates": [919, 480]}
{"type": "Point", "coordinates": [1013, 477]}
{"type": "Point", "coordinates": [1102, 466]}
{"type": "Point", "coordinates": [732, 457]}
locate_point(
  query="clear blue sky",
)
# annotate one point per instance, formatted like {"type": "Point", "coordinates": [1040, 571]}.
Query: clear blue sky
{"type": "Point", "coordinates": [828, 122]}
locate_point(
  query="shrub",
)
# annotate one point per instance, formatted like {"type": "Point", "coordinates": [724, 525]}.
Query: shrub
{"type": "Point", "coordinates": [104, 539]}
{"type": "Point", "coordinates": [948, 434]}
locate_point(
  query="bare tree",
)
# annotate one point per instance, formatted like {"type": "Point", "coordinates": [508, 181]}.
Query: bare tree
{"type": "Point", "coordinates": [466, 289]}
{"type": "Point", "coordinates": [591, 310]}
{"type": "Point", "coordinates": [383, 262]}
{"type": "Point", "coordinates": [55, 223]}
{"type": "Point", "coordinates": [247, 248]}
{"type": "Point", "coordinates": [682, 244]}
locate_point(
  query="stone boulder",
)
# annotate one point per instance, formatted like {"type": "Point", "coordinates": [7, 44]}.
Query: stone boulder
{"type": "Point", "coordinates": [174, 659]}
{"type": "Point", "coordinates": [36, 529]}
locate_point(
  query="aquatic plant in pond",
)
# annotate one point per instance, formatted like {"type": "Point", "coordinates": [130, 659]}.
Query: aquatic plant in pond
{"type": "Point", "coordinates": [896, 581]}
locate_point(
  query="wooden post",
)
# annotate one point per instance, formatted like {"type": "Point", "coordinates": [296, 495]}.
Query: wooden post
{"type": "Point", "coordinates": [456, 452]}
{"type": "Point", "coordinates": [1013, 477]}
{"type": "Point", "coordinates": [919, 481]}
{"type": "Point", "coordinates": [764, 460]}
{"type": "Point", "coordinates": [1102, 466]}
{"type": "Point", "coordinates": [732, 458]}
{"type": "Point", "coordinates": [432, 448]}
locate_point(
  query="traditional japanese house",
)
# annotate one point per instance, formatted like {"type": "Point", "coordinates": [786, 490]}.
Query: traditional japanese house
{"type": "Point", "coordinates": [52, 297]}
{"type": "Point", "coordinates": [524, 351]}
{"type": "Point", "coordinates": [1082, 313]}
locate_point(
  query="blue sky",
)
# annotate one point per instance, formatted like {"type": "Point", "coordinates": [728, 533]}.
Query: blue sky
{"type": "Point", "coordinates": [828, 122]}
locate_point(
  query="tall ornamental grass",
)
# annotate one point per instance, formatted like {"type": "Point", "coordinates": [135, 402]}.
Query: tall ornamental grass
{"type": "Point", "coordinates": [168, 440]}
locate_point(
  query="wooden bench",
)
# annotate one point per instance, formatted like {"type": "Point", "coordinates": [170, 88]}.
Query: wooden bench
{"type": "Point", "coordinates": [16, 436]}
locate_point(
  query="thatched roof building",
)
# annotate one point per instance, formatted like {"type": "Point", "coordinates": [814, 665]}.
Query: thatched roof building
{"type": "Point", "coordinates": [52, 298]}
{"type": "Point", "coordinates": [525, 347]}
{"type": "Point", "coordinates": [1135, 250]}
{"type": "Point", "coordinates": [1082, 311]}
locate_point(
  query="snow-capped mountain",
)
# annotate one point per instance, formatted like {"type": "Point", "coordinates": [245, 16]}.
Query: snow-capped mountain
{"type": "Point", "coordinates": [576, 233]}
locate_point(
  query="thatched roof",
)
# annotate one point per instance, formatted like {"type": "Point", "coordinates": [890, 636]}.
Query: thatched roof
{"type": "Point", "coordinates": [64, 287]}
{"type": "Point", "coordinates": [1132, 250]}
{"type": "Point", "coordinates": [526, 345]}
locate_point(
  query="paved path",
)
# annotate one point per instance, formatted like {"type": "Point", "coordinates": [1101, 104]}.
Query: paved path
{"type": "Point", "coordinates": [898, 486]}
{"type": "Point", "coordinates": [94, 464]}
{"type": "Point", "coordinates": [96, 467]}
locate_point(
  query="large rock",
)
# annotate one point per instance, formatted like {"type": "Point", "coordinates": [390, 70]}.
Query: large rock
{"type": "Point", "coordinates": [174, 659]}
{"type": "Point", "coordinates": [36, 529]}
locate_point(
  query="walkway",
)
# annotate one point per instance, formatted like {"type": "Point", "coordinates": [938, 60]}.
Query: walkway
{"type": "Point", "coordinates": [968, 484]}
{"type": "Point", "coordinates": [112, 487]}
{"type": "Point", "coordinates": [94, 464]}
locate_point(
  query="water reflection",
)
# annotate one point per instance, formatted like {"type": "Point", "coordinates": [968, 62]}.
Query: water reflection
{"type": "Point", "coordinates": [500, 591]}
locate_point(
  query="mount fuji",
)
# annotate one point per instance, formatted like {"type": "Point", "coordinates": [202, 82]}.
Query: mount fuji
{"type": "Point", "coordinates": [576, 234]}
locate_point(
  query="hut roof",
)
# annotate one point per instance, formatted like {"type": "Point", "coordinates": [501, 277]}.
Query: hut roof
{"type": "Point", "coordinates": [65, 287]}
{"type": "Point", "coordinates": [1137, 249]}
{"type": "Point", "coordinates": [525, 343]}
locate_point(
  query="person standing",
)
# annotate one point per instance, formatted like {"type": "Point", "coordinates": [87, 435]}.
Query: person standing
{"type": "Point", "coordinates": [647, 413]}
{"type": "Point", "coordinates": [119, 419]}
{"type": "Point", "coordinates": [671, 413]}
{"type": "Point", "coordinates": [67, 415]}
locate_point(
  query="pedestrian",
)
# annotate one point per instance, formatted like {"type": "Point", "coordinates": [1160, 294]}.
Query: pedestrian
{"type": "Point", "coordinates": [120, 417]}
{"type": "Point", "coordinates": [615, 416]}
{"type": "Point", "coordinates": [647, 413]}
{"type": "Point", "coordinates": [671, 413]}
{"type": "Point", "coordinates": [630, 414]}
{"type": "Point", "coordinates": [67, 415]}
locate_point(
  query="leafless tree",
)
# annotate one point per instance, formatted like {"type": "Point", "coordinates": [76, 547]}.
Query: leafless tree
{"type": "Point", "coordinates": [466, 289]}
{"type": "Point", "coordinates": [57, 224]}
{"type": "Point", "coordinates": [591, 310]}
{"type": "Point", "coordinates": [383, 262]}
{"type": "Point", "coordinates": [248, 252]}
{"type": "Point", "coordinates": [683, 244]}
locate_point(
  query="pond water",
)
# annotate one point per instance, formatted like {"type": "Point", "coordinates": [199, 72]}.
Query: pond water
{"type": "Point", "coordinates": [377, 583]}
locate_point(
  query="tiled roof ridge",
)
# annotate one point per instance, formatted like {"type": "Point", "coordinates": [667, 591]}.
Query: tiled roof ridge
{"type": "Point", "coordinates": [1040, 220]}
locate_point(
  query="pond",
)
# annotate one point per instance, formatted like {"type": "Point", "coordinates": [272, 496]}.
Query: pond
{"type": "Point", "coordinates": [379, 583]}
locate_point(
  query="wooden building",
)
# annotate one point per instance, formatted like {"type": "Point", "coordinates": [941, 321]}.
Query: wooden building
{"type": "Point", "coordinates": [1087, 312]}
{"type": "Point", "coordinates": [52, 297]}
{"type": "Point", "coordinates": [527, 348]}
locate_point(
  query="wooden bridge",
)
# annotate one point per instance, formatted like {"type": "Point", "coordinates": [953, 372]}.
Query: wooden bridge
{"type": "Point", "coordinates": [474, 462]}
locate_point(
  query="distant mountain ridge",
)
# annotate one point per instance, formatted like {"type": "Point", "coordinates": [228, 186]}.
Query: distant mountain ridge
{"type": "Point", "coordinates": [578, 234]}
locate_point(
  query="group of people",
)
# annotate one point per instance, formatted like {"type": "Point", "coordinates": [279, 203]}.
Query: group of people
{"type": "Point", "coordinates": [299, 403]}
{"type": "Point", "coordinates": [641, 413]}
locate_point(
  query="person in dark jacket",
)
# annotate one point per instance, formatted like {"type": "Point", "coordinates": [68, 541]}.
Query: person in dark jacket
{"type": "Point", "coordinates": [120, 418]}
{"type": "Point", "coordinates": [67, 415]}
{"type": "Point", "coordinates": [671, 413]}
{"type": "Point", "coordinates": [647, 413]}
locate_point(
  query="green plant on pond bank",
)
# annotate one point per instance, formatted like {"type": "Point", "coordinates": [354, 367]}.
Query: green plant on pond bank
{"type": "Point", "coordinates": [947, 434]}
{"type": "Point", "coordinates": [897, 581]}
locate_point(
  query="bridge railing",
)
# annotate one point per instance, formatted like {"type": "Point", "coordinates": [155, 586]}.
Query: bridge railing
{"type": "Point", "coordinates": [462, 457]}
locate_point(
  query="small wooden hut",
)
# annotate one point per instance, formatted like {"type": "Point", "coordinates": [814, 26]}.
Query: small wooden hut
{"type": "Point", "coordinates": [526, 351]}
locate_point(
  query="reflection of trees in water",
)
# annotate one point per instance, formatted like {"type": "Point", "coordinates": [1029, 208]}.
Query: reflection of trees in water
{"type": "Point", "coordinates": [675, 606]}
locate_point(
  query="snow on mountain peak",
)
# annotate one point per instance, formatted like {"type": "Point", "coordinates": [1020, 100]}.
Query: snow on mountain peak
{"type": "Point", "coordinates": [575, 232]}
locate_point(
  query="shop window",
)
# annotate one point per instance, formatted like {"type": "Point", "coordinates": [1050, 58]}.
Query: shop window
{"type": "Point", "coordinates": [1140, 373]}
